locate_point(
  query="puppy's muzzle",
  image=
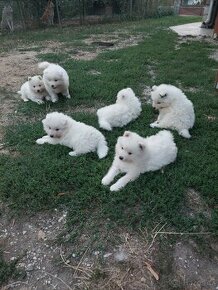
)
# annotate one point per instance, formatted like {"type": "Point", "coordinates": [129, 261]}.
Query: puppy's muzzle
{"type": "Point", "coordinates": [53, 87]}
{"type": "Point", "coordinates": [52, 136]}
{"type": "Point", "coordinates": [121, 157]}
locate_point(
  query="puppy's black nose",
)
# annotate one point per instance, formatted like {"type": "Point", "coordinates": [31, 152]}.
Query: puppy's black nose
{"type": "Point", "coordinates": [51, 136]}
{"type": "Point", "coordinates": [38, 91]}
{"type": "Point", "coordinates": [121, 157]}
{"type": "Point", "coordinates": [52, 86]}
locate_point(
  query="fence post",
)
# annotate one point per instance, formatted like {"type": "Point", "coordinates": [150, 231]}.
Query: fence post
{"type": "Point", "coordinates": [130, 8]}
{"type": "Point", "coordinates": [21, 14]}
{"type": "Point", "coordinates": [58, 13]}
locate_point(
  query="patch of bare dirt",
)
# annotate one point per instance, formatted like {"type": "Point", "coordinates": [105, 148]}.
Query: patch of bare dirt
{"type": "Point", "coordinates": [131, 261]}
{"type": "Point", "coordinates": [116, 39]}
{"type": "Point", "coordinates": [195, 271]}
{"type": "Point", "coordinates": [195, 204]}
{"type": "Point", "coordinates": [16, 67]}
{"type": "Point", "coordinates": [186, 39]}
{"type": "Point", "coordinates": [146, 94]}
{"type": "Point", "coordinates": [50, 265]}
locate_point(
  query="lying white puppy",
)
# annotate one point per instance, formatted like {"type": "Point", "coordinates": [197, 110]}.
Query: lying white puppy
{"type": "Point", "coordinates": [63, 130]}
{"type": "Point", "coordinates": [135, 155]}
{"type": "Point", "coordinates": [126, 109]}
{"type": "Point", "coordinates": [34, 90]}
{"type": "Point", "coordinates": [56, 80]}
{"type": "Point", "coordinates": [175, 110]}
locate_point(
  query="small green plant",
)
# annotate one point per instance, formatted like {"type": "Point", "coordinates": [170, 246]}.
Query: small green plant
{"type": "Point", "coordinates": [9, 270]}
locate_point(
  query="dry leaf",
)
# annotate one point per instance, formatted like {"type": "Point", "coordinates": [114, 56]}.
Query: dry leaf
{"type": "Point", "coordinates": [152, 271]}
{"type": "Point", "coordinates": [61, 193]}
{"type": "Point", "coordinates": [211, 118]}
{"type": "Point", "coordinates": [41, 235]}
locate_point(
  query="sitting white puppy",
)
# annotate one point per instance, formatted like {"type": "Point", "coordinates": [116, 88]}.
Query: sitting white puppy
{"type": "Point", "coordinates": [126, 109]}
{"type": "Point", "coordinates": [63, 130]}
{"type": "Point", "coordinates": [175, 110]}
{"type": "Point", "coordinates": [56, 80]}
{"type": "Point", "coordinates": [34, 90]}
{"type": "Point", "coordinates": [135, 155]}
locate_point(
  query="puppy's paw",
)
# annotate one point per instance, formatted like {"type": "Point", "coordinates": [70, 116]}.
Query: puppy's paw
{"type": "Point", "coordinates": [114, 187]}
{"type": "Point", "coordinates": [40, 141]}
{"type": "Point", "coordinates": [72, 153]}
{"type": "Point", "coordinates": [47, 98]}
{"type": "Point", "coordinates": [105, 181]}
{"type": "Point", "coordinates": [39, 102]}
{"type": "Point", "coordinates": [153, 125]}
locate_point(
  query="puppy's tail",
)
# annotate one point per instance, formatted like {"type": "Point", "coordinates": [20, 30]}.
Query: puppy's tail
{"type": "Point", "coordinates": [43, 65]}
{"type": "Point", "coordinates": [102, 148]}
{"type": "Point", "coordinates": [185, 133]}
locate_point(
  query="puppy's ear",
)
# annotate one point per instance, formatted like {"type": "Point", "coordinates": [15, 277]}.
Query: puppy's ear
{"type": "Point", "coordinates": [40, 78]}
{"type": "Point", "coordinates": [127, 134]}
{"type": "Point", "coordinates": [141, 146]}
{"type": "Point", "coordinates": [153, 88]}
{"type": "Point", "coordinates": [29, 78]}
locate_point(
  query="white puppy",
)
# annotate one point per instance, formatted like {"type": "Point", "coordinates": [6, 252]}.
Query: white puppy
{"type": "Point", "coordinates": [135, 155]}
{"type": "Point", "coordinates": [126, 109]}
{"type": "Point", "coordinates": [175, 110]}
{"type": "Point", "coordinates": [56, 80]}
{"type": "Point", "coordinates": [34, 90]}
{"type": "Point", "coordinates": [63, 130]}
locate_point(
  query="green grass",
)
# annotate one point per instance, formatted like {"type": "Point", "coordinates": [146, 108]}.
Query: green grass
{"type": "Point", "coordinates": [34, 176]}
{"type": "Point", "coordinates": [9, 270]}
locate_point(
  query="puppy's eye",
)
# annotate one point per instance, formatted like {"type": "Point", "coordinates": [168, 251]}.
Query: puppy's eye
{"type": "Point", "coordinates": [49, 128]}
{"type": "Point", "coordinates": [130, 153]}
{"type": "Point", "coordinates": [34, 86]}
{"type": "Point", "coordinates": [39, 85]}
{"type": "Point", "coordinates": [163, 96]}
{"type": "Point", "coordinates": [56, 80]}
{"type": "Point", "coordinates": [158, 103]}
{"type": "Point", "coordinates": [122, 148]}
{"type": "Point", "coordinates": [57, 129]}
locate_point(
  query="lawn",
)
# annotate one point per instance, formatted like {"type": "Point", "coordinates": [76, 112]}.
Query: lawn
{"type": "Point", "coordinates": [37, 178]}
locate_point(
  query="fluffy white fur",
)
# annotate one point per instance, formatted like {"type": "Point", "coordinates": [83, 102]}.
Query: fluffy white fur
{"type": "Point", "coordinates": [56, 80]}
{"type": "Point", "coordinates": [34, 90]}
{"type": "Point", "coordinates": [126, 109]}
{"type": "Point", "coordinates": [175, 110]}
{"type": "Point", "coordinates": [135, 155]}
{"type": "Point", "coordinates": [63, 130]}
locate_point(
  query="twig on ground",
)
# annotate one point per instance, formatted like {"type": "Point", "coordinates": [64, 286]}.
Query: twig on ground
{"type": "Point", "coordinates": [56, 277]}
{"type": "Point", "coordinates": [152, 271]}
{"type": "Point", "coordinates": [77, 268]}
{"type": "Point", "coordinates": [154, 236]}
{"type": "Point", "coordinates": [185, 233]}
{"type": "Point", "coordinates": [17, 283]}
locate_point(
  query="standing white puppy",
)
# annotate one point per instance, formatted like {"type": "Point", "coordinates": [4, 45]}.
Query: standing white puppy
{"type": "Point", "coordinates": [34, 90]}
{"type": "Point", "coordinates": [135, 155]}
{"type": "Point", "coordinates": [63, 130]}
{"type": "Point", "coordinates": [56, 80]}
{"type": "Point", "coordinates": [175, 110]}
{"type": "Point", "coordinates": [126, 109]}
